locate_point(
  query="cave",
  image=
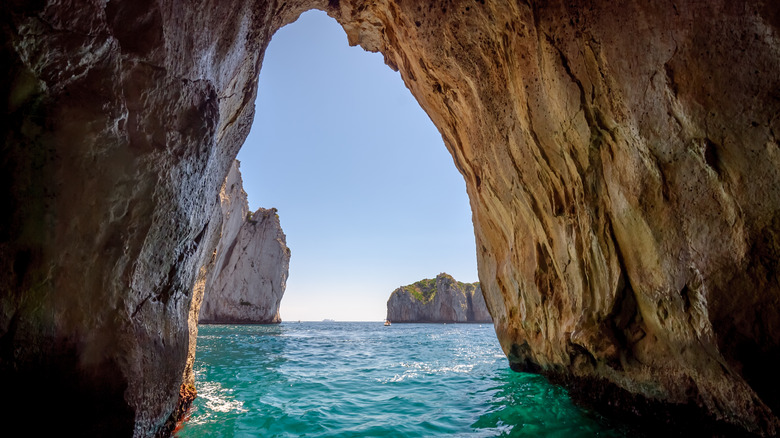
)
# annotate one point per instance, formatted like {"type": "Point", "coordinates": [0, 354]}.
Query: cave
{"type": "Point", "coordinates": [621, 161]}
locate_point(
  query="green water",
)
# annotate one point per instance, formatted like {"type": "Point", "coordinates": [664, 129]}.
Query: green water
{"type": "Point", "coordinates": [367, 380]}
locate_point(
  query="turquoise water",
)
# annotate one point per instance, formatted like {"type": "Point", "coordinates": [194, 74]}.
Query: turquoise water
{"type": "Point", "coordinates": [366, 380]}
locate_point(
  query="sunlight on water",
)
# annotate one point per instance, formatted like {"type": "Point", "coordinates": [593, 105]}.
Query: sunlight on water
{"type": "Point", "coordinates": [367, 380]}
{"type": "Point", "coordinates": [216, 399]}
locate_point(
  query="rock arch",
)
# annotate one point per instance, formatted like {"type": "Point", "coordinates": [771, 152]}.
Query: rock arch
{"type": "Point", "coordinates": [621, 161]}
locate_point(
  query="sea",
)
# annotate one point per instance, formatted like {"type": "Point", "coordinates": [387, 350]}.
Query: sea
{"type": "Point", "coordinates": [364, 379]}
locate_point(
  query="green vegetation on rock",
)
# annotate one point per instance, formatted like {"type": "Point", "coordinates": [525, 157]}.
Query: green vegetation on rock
{"type": "Point", "coordinates": [441, 299]}
{"type": "Point", "coordinates": [423, 290]}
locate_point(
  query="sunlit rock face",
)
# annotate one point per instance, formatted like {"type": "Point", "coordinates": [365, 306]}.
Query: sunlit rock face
{"type": "Point", "coordinates": [624, 174]}
{"type": "Point", "coordinates": [621, 159]}
{"type": "Point", "coordinates": [249, 275]}
{"type": "Point", "coordinates": [441, 299]}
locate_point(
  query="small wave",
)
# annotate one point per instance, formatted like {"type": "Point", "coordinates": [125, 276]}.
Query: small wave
{"type": "Point", "coordinates": [416, 369]}
{"type": "Point", "coordinates": [398, 377]}
{"type": "Point", "coordinates": [216, 399]}
{"type": "Point", "coordinates": [352, 380]}
{"type": "Point", "coordinates": [433, 369]}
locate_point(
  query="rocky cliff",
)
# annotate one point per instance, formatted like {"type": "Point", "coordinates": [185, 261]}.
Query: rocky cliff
{"type": "Point", "coordinates": [621, 158]}
{"type": "Point", "coordinates": [249, 274]}
{"type": "Point", "coordinates": [438, 300]}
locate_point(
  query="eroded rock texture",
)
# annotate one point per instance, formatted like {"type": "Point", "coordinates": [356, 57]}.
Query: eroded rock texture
{"type": "Point", "coordinates": [441, 299]}
{"type": "Point", "coordinates": [252, 260]}
{"type": "Point", "coordinates": [622, 164]}
{"type": "Point", "coordinates": [621, 159]}
{"type": "Point", "coordinates": [119, 123]}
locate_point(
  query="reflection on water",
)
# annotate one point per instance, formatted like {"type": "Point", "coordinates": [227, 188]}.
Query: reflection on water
{"type": "Point", "coordinates": [364, 379]}
{"type": "Point", "coordinates": [528, 405]}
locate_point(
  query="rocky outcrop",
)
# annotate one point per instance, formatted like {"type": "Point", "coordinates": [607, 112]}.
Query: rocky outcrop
{"type": "Point", "coordinates": [438, 300]}
{"type": "Point", "coordinates": [621, 158]}
{"type": "Point", "coordinates": [249, 274]}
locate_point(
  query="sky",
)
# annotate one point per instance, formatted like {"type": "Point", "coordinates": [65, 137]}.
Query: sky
{"type": "Point", "coordinates": [367, 194]}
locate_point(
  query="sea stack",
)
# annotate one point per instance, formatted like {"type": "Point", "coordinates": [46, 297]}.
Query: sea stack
{"type": "Point", "coordinates": [249, 274]}
{"type": "Point", "coordinates": [438, 300]}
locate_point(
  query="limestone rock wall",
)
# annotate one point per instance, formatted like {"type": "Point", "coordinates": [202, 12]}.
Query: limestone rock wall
{"type": "Point", "coordinates": [119, 123]}
{"type": "Point", "coordinates": [621, 158]}
{"type": "Point", "coordinates": [249, 275]}
{"type": "Point", "coordinates": [438, 300]}
{"type": "Point", "coordinates": [623, 167]}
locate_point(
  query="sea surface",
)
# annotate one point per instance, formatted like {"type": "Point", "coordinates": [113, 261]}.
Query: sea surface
{"type": "Point", "coordinates": [352, 379]}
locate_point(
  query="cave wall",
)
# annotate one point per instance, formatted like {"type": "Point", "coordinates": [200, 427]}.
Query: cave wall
{"type": "Point", "coordinates": [621, 161]}
{"type": "Point", "coordinates": [120, 121]}
{"type": "Point", "coordinates": [622, 164]}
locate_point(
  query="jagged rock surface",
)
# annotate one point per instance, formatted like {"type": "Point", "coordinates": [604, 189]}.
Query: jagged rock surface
{"type": "Point", "coordinates": [119, 123]}
{"type": "Point", "coordinates": [622, 161]}
{"type": "Point", "coordinates": [623, 167]}
{"type": "Point", "coordinates": [249, 275]}
{"type": "Point", "coordinates": [438, 300]}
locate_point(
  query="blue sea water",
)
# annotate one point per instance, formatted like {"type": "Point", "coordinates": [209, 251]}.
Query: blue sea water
{"type": "Point", "coordinates": [366, 380]}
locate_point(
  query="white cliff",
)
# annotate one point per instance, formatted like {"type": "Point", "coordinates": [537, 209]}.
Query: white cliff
{"type": "Point", "coordinates": [249, 273]}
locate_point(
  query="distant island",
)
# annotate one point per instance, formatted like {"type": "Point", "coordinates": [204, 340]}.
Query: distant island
{"type": "Point", "coordinates": [440, 300]}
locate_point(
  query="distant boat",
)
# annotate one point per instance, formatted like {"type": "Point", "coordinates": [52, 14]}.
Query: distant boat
{"type": "Point", "coordinates": [328, 320]}
{"type": "Point", "coordinates": [387, 322]}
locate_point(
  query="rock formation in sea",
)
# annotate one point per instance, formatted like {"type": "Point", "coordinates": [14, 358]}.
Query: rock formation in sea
{"type": "Point", "coordinates": [441, 299]}
{"type": "Point", "coordinates": [249, 274]}
{"type": "Point", "coordinates": [622, 161]}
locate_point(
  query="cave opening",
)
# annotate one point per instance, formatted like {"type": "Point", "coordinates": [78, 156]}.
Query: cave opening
{"type": "Point", "coordinates": [582, 129]}
{"type": "Point", "coordinates": [366, 192]}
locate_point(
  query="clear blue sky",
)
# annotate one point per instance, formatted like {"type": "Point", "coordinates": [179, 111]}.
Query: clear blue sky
{"type": "Point", "coordinates": [367, 194]}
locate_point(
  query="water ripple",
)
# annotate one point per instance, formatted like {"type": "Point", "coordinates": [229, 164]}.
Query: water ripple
{"type": "Point", "coordinates": [367, 380]}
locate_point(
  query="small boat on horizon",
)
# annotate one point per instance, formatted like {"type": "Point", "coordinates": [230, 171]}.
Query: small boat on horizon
{"type": "Point", "coordinates": [387, 322]}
